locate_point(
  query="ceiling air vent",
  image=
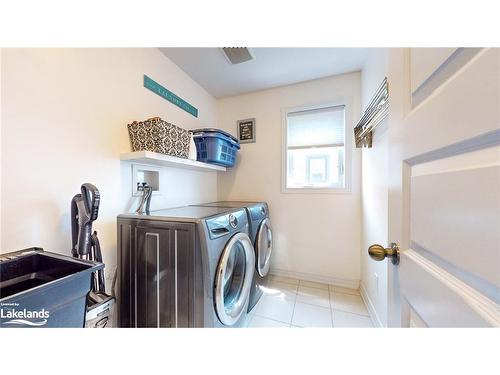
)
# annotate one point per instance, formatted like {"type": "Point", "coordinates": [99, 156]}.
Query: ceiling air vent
{"type": "Point", "coordinates": [237, 55]}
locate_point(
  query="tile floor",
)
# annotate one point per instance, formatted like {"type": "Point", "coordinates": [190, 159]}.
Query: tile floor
{"type": "Point", "coordinates": [294, 303]}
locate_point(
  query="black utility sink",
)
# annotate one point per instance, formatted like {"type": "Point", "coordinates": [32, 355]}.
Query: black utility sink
{"type": "Point", "coordinates": [35, 280]}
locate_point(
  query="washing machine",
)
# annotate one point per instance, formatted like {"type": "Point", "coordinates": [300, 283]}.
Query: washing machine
{"type": "Point", "coordinates": [262, 239]}
{"type": "Point", "coordinates": [185, 267]}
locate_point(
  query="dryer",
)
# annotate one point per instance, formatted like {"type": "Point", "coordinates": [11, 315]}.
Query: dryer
{"type": "Point", "coordinates": [184, 267]}
{"type": "Point", "coordinates": [262, 239]}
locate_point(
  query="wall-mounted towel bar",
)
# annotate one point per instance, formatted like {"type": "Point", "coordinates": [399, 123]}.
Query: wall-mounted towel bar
{"type": "Point", "coordinates": [374, 114]}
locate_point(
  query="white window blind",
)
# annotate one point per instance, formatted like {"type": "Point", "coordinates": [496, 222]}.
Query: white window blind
{"type": "Point", "coordinates": [317, 127]}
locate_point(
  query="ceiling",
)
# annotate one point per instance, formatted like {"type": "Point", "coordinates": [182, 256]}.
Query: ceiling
{"type": "Point", "coordinates": [272, 67]}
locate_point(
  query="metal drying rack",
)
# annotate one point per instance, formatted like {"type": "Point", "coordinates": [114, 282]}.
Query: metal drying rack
{"type": "Point", "coordinates": [377, 110]}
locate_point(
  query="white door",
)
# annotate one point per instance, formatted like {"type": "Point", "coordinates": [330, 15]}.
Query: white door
{"type": "Point", "coordinates": [444, 187]}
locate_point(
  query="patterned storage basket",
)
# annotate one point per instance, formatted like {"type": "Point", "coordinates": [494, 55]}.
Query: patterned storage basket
{"type": "Point", "coordinates": [160, 136]}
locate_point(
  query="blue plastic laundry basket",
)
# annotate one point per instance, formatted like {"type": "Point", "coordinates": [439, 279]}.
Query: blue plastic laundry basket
{"type": "Point", "coordinates": [216, 147]}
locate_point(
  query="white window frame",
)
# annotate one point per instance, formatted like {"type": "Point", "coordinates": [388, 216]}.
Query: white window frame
{"type": "Point", "coordinates": [347, 150]}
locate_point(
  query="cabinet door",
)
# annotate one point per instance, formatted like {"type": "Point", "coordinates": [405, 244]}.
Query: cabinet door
{"type": "Point", "coordinates": [125, 292]}
{"type": "Point", "coordinates": [154, 278]}
{"type": "Point", "coordinates": [156, 274]}
{"type": "Point", "coordinates": [183, 245]}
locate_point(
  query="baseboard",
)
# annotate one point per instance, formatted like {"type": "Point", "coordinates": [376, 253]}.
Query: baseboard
{"type": "Point", "coordinates": [371, 308]}
{"type": "Point", "coordinates": [346, 283]}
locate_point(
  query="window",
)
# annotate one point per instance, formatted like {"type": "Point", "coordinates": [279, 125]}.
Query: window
{"type": "Point", "coordinates": [315, 148]}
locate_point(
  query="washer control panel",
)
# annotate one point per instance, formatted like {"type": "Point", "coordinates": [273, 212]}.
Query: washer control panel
{"type": "Point", "coordinates": [259, 211]}
{"type": "Point", "coordinates": [227, 224]}
{"type": "Point", "coordinates": [233, 221]}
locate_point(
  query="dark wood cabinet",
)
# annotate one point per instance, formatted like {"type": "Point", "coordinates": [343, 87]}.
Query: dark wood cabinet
{"type": "Point", "coordinates": [156, 262]}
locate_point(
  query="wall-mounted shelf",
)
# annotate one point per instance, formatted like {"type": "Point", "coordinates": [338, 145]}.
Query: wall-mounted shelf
{"type": "Point", "coordinates": [154, 158]}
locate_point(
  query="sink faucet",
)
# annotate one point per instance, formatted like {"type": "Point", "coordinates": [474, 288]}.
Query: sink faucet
{"type": "Point", "coordinates": [147, 191]}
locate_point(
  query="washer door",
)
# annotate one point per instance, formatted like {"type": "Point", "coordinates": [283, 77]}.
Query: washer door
{"type": "Point", "coordinates": [264, 247]}
{"type": "Point", "coordinates": [233, 280]}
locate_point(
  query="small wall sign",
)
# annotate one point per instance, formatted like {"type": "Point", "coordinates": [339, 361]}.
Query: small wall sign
{"type": "Point", "coordinates": [169, 95]}
{"type": "Point", "coordinates": [246, 130]}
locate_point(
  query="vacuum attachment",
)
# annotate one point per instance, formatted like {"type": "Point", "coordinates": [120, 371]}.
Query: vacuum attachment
{"type": "Point", "coordinates": [100, 308]}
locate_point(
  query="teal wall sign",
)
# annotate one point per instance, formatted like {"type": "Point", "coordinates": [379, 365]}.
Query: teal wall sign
{"type": "Point", "coordinates": [169, 95]}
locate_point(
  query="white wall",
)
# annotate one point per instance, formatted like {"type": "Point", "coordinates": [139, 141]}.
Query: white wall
{"type": "Point", "coordinates": [317, 236]}
{"type": "Point", "coordinates": [64, 117]}
{"type": "Point", "coordinates": [374, 194]}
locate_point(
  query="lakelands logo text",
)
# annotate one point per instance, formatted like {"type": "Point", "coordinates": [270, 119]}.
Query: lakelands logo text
{"type": "Point", "coordinates": [13, 316]}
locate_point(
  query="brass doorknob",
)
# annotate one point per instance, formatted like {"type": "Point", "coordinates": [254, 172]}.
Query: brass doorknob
{"type": "Point", "coordinates": [378, 253]}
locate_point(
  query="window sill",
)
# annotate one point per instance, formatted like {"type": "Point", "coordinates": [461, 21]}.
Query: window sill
{"type": "Point", "coordinates": [308, 190]}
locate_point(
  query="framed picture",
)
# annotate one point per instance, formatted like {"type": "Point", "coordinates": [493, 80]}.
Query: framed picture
{"type": "Point", "coordinates": [246, 130]}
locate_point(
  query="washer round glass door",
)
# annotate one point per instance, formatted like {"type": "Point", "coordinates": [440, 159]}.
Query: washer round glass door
{"type": "Point", "coordinates": [264, 247]}
{"type": "Point", "coordinates": [233, 280]}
